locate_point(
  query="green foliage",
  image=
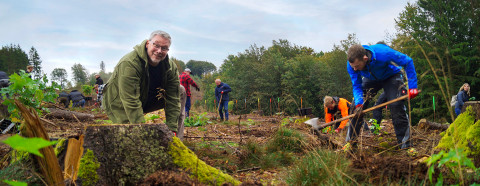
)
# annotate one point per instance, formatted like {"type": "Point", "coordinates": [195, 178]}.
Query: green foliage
{"type": "Point", "coordinates": [29, 92]}
{"type": "Point", "coordinates": [19, 172]}
{"type": "Point", "coordinates": [13, 59]}
{"type": "Point", "coordinates": [36, 62]}
{"type": "Point", "coordinates": [87, 90]}
{"type": "Point", "coordinates": [60, 76]}
{"type": "Point", "coordinates": [286, 139]}
{"type": "Point", "coordinates": [320, 167]}
{"type": "Point", "coordinates": [79, 74]}
{"type": "Point", "coordinates": [31, 145]}
{"type": "Point", "coordinates": [151, 117]}
{"type": "Point", "coordinates": [328, 129]}
{"type": "Point", "coordinates": [87, 171]}
{"type": "Point", "coordinates": [455, 161]}
{"type": "Point", "coordinates": [200, 67]}
{"type": "Point", "coordinates": [197, 120]}
{"type": "Point", "coordinates": [376, 126]}
{"type": "Point", "coordinates": [15, 183]}
{"type": "Point", "coordinates": [286, 121]}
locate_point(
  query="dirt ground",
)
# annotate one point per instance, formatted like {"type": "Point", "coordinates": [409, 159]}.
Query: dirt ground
{"type": "Point", "coordinates": [376, 155]}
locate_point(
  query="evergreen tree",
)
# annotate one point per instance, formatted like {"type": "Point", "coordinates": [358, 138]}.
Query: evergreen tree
{"type": "Point", "coordinates": [36, 62]}
{"type": "Point", "coordinates": [102, 67]}
{"type": "Point", "coordinates": [13, 59]}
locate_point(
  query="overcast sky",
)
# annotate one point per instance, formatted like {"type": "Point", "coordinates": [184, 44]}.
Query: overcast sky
{"type": "Point", "coordinates": [89, 31]}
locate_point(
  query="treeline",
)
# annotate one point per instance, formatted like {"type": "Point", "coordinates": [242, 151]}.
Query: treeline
{"type": "Point", "coordinates": [442, 37]}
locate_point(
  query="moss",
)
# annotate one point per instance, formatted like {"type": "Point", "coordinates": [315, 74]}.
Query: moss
{"type": "Point", "coordinates": [462, 133]}
{"type": "Point", "coordinates": [59, 146]}
{"type": "Point", "coordinates": [19, 156]}
{"type": "Point", "coordinates": [185, 158]}
{"type": "Point", "coordinates": [385, 145]}
{"type": "Point", "coordinates": [87, 171]}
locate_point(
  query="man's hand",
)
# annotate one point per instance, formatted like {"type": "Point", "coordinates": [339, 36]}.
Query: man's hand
{"type": "Point", "coordinates": [198, 89]}
{"type": "Point", "coordinates": [358, 111]}
{"type": "Point", "coordinates": [221, 92]}
{"type": "Point", "coordinates": [412, 93]}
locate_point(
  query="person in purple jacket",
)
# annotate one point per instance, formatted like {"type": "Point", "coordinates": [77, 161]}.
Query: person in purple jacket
{"type": "Point", "coordinates": [380, 66]}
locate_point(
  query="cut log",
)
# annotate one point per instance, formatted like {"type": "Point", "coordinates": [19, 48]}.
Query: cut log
{"type": "Point", "coordinates": [69, 115]}
{"type": "Point", "coordinates": [48, 165]}
{"type": "Point", "coordinates": [475, 106]}
{"type": "Point", "coordinates": [424, 124]}
{"type": "Point", "coordinates": [127, 153]}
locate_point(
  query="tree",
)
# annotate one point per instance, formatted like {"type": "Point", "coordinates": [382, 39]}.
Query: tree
{"type": "Point", "coordinates": [102, 67]}
{"type": "Point", "coordinates": [13, 59]}
{"type": "Point", "coordinates": [36, 62]}
{"type": "Point", "coordinates": [201, 67]}
{"type": "Point", "coordinates": [442, 36]}
{"type": "Point", "coordinates": [79, 74]}
{"type": "Point", "coordinates": [60, 75]}
{"type": "Point", "coordinates": [180, 64]}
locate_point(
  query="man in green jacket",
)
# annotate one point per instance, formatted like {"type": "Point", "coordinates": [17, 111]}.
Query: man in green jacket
{"type": "Point", "coordinates": [143, 81]}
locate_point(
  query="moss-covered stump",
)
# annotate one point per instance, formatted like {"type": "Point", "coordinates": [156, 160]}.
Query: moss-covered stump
{"type": "Point", "coordinates": [463, 133]}
{"type": "Point", "coordinates": [128, 153]}
{"type": "Point", "coordinates": [475, 108]}
{"type": "Point", "coordinates": [186, 159]}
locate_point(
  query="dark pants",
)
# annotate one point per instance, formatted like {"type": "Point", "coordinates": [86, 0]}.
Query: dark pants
{"type": "Point", "coordinates": [64, 101]}
{"type": "Point", "coordinates": [392, 87]}
{"type": "Point", "coordinates": [223, 106]}
{"type": "Point", "coordinates": [187, 106]}
{"type": "Point", "coordinates": [377, 113]}
{"type": "Point", "coordinates": [79, 103]}
{"type": "Point", "coordinates": [458, 111]}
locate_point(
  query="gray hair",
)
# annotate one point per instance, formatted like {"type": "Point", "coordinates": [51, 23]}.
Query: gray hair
{"type": "Point", "coordinates": [162, 34]}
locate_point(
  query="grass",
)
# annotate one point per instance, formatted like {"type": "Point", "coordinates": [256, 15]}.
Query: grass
{"type": "Point", "coordinates": [321, 167]}
{"type": "Point", "coordinates": [286, 139]}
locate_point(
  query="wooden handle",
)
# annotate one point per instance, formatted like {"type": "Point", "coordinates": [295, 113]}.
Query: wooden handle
{"type": "Point", "coordinates": [365, 111]}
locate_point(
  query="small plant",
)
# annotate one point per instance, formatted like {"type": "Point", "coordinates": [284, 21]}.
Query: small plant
{"type": "Point", "coordinates": [30, 93]}
{"type": "Point", "coordinates": [375, 125]}
{"type": "Point", "coordinates": [286, 121]}
{"type": "Point", "coordinates": [87, 90]}
{"type": "Point", "coordinates": [455, 161]}
{"type": "Point", "coordinates": [286, 140]}
{"type": "Point", "coordinates": [151, 117]}
{"type": "Point", "coordinates": [327, 130]}
{"type": "Point", "coordinates": [301, 120]}
{"type": "Point", "coordinates": [198, 120]}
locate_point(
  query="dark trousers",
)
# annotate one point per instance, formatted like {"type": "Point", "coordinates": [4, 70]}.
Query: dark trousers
{"type": "Point", "coordinates": [223, 106]}
{"type": "Point", "coordinates": [64, 101]}
{"type": "Point", "coordinates": [187, 106]}
{"type": "Point", "coordinates": [392, 87]}
{"type": "Point", "coordinates": [153, 104]}
{"type": "Point", "coordinates": [377, 113]}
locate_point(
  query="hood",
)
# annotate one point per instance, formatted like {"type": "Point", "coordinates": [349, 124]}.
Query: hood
{"type": "Point", "coordinates": [141, 51]}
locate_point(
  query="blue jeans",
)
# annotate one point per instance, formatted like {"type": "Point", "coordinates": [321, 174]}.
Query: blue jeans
{"type": "Point", "coordinates": [80, 103]}
{"type": "Point", "coordinates": [187, 106]}
{"type": "Point", "coordinates": [458, 111]}
{"type": "Point", "coordinates": [223, 106]}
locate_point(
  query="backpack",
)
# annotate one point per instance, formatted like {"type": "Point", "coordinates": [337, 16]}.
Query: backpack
{"type": "Point", "coordinates": [453, 102]}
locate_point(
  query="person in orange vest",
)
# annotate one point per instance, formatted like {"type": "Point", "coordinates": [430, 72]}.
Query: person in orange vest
{"type": "Point", "coordinates": [334, 105]}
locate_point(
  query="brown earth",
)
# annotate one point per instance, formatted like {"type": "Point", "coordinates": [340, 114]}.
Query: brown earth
{"type": "Point", "coordinates": [376, 155]}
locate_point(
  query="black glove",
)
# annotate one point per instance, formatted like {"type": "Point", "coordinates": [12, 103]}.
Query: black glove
{"type": "Point", "coordinates": [358, 111]}
{"type": "Point", "coordinates": [198, 89]}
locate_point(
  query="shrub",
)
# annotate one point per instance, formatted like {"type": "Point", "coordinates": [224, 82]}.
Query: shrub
{"type": "Point", "coordinates": [286, 140]}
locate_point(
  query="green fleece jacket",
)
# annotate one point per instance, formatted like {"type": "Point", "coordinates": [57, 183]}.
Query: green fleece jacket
{"type": "Point", "coordinates": [126, 91]}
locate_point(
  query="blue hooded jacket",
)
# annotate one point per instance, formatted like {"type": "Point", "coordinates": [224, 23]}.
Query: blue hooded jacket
{"type": "Point", "coordinates": [380, 68]}
{"type": "Point", "coordinates": [222, 87]}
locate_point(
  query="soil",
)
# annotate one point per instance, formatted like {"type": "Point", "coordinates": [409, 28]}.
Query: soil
{"type": "Point", "coordinates": [376, 155]}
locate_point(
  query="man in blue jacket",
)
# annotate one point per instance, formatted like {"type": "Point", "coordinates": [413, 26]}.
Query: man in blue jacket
{"type": "Point", "coordinates": [221, 95]}
{"type": "Point", "coordinates": [380, 66]}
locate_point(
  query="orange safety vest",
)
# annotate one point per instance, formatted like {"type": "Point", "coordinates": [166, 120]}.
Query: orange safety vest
{"type": "Point", "coordinates": [343, 106]}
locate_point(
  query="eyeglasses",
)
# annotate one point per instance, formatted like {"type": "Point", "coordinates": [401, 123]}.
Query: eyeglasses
{"type": "Point", "coordinates": [162, 48]}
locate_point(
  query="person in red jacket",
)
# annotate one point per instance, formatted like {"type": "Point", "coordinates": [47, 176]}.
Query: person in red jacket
{"type": "Point", "coordinates": [186, 81]}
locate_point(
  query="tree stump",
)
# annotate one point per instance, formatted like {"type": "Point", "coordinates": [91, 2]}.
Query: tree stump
{"type": "Point", "coordinates": [475, 106]}
{"type": "Point", "coordinates": [127, 153]}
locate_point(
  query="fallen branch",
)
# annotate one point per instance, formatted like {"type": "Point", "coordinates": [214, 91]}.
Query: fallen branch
{"type": "Point", "coordinates": [49, 122]}
{"type": "Point", "coordinates": [69, 115]}
{"type": "Point", "coordinates": [424, 124]}
{"type": "Point", "coordinates": [248, 169]}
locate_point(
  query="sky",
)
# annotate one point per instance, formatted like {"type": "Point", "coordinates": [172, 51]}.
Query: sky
{"type": "Point", "coordinates": [66, 32]}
